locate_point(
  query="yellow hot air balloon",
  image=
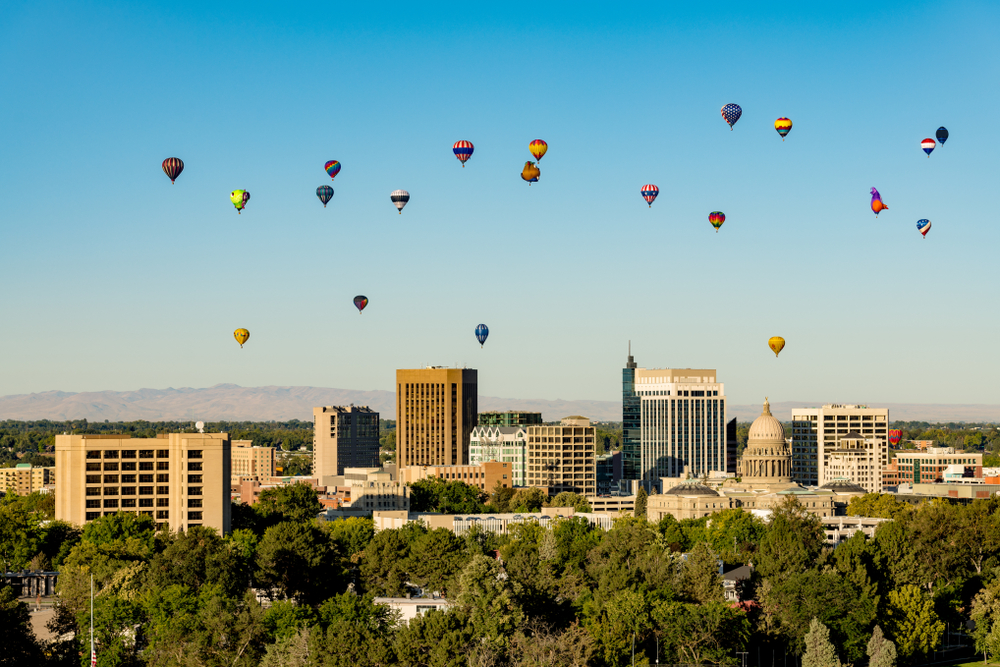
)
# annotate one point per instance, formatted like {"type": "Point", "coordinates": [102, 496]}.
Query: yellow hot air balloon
{"type": "Point", "coordinates": [531, 172]}
{"type": "Point", "coordinates": [777, 344]}
{"type": "Point", "coordinates": [241, 336]}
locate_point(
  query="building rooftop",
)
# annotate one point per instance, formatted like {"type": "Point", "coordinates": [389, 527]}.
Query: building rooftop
{"type": "Point", "coordinates": [689, 489]}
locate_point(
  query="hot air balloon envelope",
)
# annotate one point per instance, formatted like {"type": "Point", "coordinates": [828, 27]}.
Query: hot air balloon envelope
{"type": "Point", "coordinates": [928, 145]}
{"type": "Point", "coordinates": [463, 150]}
{"type": "Point", "coordinates": [482, 331]}
{"type": "Point", "coordinates": [877, 204]}
{"type": "Point", "coordinates": [531, 172]}
{"type": "Point", "coordinates": [649, 192]}
{"type": "Point", "coordinates": [777, 344]}
{"type": "Point", "coordinates": [399, 198]}
{"type": "Point", "coordinates": [239, 199]}
{"type": "Point", "coordinates": [241, 336]}
{"type": "Point", "coordinates": [895, 435]}
{"type": "Point", "coordinates": [716, 218]}
{"type": "Point", "coordinates": [538, 148]}
{"type": "Point", "coordinates": [172, 167]}
{"type": "Point", "coordinates": [333, 168]}
{"type": "Point", "coordinates": [360, 301]}
{"type": "Point", "coordinates": [325, 194]}
{"type": "Point", "coordinates": [731, 113]}
{"type": "Point", "coordinates": [783, 126]}
{"type": "Point", "coordinates": [942, 135]}
{"type": "Point", "coordinates": [924, 226]}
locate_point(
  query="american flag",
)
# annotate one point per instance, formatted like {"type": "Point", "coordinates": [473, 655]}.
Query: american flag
{"type": "Point", "coordinates": [93, 657]}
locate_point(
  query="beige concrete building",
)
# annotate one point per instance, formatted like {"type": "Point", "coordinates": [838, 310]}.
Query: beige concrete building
{"type": "Point", "coordinates": [857, 459]}
{"type": "Point", "coordinates": [562, 458]}
{"type": "Point", "coordinates": [494, 523]}
{"type": "Point", "coordinates": [682, 422]}
{"type": "Point", "coordinates": [435, 413]}
{"type": "Point", "coordinates": [816, 430]}
{"type": "Point", "coordinates": [24, 478]}
{"type": "Point", "coordinates": [180, 479]}
{"type": "Point", "coordinates": [249, 462]}
{"type": "Point", "coordinates": [484, 475]}
{"type": "Point", "coordinates": [370, 489]}
{"type": "Point", "coordinates": [344, 437]}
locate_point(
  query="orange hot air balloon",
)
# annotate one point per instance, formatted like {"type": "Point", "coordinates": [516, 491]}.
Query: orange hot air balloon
{"type": "Point", "coordinates": [241, 336]}
{"type": "Point", "coordinates": [777, 344]}
{"type": "Point", "coordinates": [538, 148]}
{"type": "Point", "coordinates": [531, 172]}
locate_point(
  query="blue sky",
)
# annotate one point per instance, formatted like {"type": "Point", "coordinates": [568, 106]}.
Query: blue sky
{"type": "Point", "coordinates": [115, 279]}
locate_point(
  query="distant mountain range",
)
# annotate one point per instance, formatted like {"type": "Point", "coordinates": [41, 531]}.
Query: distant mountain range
{"type": "Point", "coordinates": [230, 402]}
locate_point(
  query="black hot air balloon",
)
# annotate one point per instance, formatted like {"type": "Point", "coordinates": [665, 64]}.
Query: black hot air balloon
{"type": "Point", "coordinates": [325, 194]}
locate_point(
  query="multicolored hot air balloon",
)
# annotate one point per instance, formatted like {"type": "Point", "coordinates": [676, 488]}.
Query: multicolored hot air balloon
{"type": "Point", "coordinates": [531, 172]}
{"type": "Point", "coordinates": [325, 194]}
{"type": "Point", "coordinates": [924, 226]}
{"type": "Point", "coordinates": [942, 135]}
{"type": "Point", "coordinates": [895, 435]}
{"type": "Point", "coordinates": [716, 218]}
{"type": "Point", "coordinates": [463, 151]}
{"type": "Point", "coordinates": [649, 192]}
{"type": "Point", "coordinates": [399, 198]}
{"type": "Point", "coordinates": [239, 199]}
{"type": "Point", "coordinates": [482, 331]}
{"type": "Point", "coordinates": [783, 126]}
{"type": "Point", "coordinates": [172, 167]}
{"type": "Point", "coordinates": [360, 301]}
{"type": "Point", "coordinates": [877, 204]}
{"type": "Point", "coordinates": [928, 145]}
{"type": "Point", "coordinates": [538, 149]}
{"type": "Point", "coordinates": [332, 167]}
{"type": "Point", "coordinates": [776, 343]}
{"type": "Point", "coordinates": [731, 113]}
{"type": "Point", "coordinates": [241, 336]}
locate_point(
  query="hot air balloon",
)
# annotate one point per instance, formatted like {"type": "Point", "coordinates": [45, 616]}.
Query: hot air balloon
{"type": "Point", "coordinates": [399, 198]}
{"type": "Point", "coordinates": [538, 149]}
{"type": "Point", "coordinates": [731, 113]}
{"type": "Point", "coordinates": [895, 435]}
{"type": "Point", "coordinates": [482, 331]}
{"type": "Point", "coordinates": [924, 226]}
{"type": "Point", "coordinates": [716, 218]}
{"type": "Point", "coordinates": [463, 151]}
{"type": "Point", "coordinates": [239, 199]}
{"type": "Point", "coordinates": [776, 343]}
{"type": "Point", "coordinates": [360, 301]}
{"type": "Point", "coordinates": [241, 336]}
{"type": "Point", "coordinates": [172, 167]}
{"type": "Point", "coordinates": [942, 135]}
{"type": "Point", "coordinates": [325, 194]}
{"type": "Point", "coordinates": [877, 204]}
{"type": "Point", "coordinates": [333, 168]}
{"type": "Point", "coordinates": [531, 172]}
{"type": "Point", "coordinates": [783, 126]}
{"type": "Point", "coordinates": [928, 145]}
{"type": "Point", "coordinates": [649, 192]}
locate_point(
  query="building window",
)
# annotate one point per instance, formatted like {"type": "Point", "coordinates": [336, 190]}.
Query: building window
{"type": "Point", "coordinates": [162, 490]}
{"type": "Point", "coordinates": [163, 453]}
{"type": "Point", "coordinates": [145, 490]}
{"type": "Point", "coordinates": [128, 490]}
{"type": "Point", "coordinates": [163, 465]}
{"type": "Point", "coordinates": [93, 479]}
{"type": "Point", "coordinates": [162, 514]}
{"type": "Point", "coordinates": [128, 453]}
{"type": "Point", "coordinates": [111, 504]}
{"type": "Point", "coordinates": [128, 479]}
{"type": "Point", "coordinates": [93, 515]}
{"type": "Point", "coordinates": [110, 453]}
{"type": "Point", "coordinates": [194, 516]}
{"type": "Point", "coordinates": [194, 453]}
{"type": "Point", "coordinates": [194, 502]}
{"type": "Point", "coordinates": [111, 479]}
{"type": "Point", "coordinates": [163, 502]}
{"type": "Point", "coordinates": [145, 479]}
{"type": "Point", "coordinates": [194, 465]}
{"type": "Point", "coordinates": [194, 479]}
{"type": "Point", "coordinates": [94, 491]}
{"type": "Point", "coordinates": [128, 502]}
{"type": "Point", "coordinates": [93, 503]}
{"type": "Point", "coordinates": [194, 491]}
{"type": "Point", "coordinates": [146, 465]}
{"type": "Point", "coordinates": [163, 478]}
{"type": "Point", "coordinates": [128, 465]}
{"type": "Point", "coordinates": [145, 502]}
{"type": "Point", "coordinates": [94, 454]}
{"type": "Point", "coordinates": [111, 490]}
{"type": "Point", "coordinates": [145, 453]}
{"type": "Point", "coordinates": [93, 466]}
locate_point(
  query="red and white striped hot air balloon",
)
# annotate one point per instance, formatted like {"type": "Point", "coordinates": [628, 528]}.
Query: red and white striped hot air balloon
{"type": "Point", "coordinates": [928, 145]}
{"type": "Point", "coordinates": [463, 150]}
{"type": "Point", "coordinates": [649, 192]}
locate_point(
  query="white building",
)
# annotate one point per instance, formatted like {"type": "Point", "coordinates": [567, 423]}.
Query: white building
{"type": "Point", "coordinates": [507, 444]}
{"type": "Point", "coordinates": [858, 459]}
{"type": "Point", "coordinates": [410, 608]}
{"type": "Point", "coordinates": [817, 431]}
{"type": "Point", "coordinates": [682, 422]}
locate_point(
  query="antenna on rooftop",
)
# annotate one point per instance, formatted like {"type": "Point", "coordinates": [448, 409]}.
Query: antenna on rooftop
{"type": "Point", "coordinates": [200, 426]}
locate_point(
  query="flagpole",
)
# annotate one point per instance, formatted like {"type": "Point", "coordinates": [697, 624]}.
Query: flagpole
{"type": "Point", "coordinates": [93, 654]}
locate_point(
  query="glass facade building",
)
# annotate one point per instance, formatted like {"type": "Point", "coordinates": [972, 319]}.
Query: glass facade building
{"type": "Point", "coordinates": [507, 444]}
{"type": "Point", "coordinates": [631, 435]}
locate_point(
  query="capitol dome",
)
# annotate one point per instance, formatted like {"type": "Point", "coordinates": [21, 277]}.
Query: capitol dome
{"type": "Point", "coordinates": [766, 428]}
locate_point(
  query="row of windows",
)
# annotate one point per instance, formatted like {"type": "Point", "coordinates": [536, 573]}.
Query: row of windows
{"type": "Point", "coordinates": [143, 490]}
{"type": "Point", "coordinates": [142, 453]}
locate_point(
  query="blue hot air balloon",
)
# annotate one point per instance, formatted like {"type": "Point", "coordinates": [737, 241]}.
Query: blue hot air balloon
{"type": "Point", "coordinates": [482, 331]}
{"type": "Point", "coordinates": [942, 135]}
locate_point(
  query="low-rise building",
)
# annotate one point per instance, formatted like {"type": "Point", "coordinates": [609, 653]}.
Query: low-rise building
{"type": "Point", "coordinates": [838, 529]}
{"type": "Point", "coordinates": [410, 608]}
{"type": "Point", "coordinates": [370, 489]}
{"type": "Point", "coordinates": [507, 444]}
{"type": "Point", "coordinates": [920, 466]}
{"type": "Point", "coordinates": [494, 523]}
{"type": "Point", "coordinates": [610, 504]}
{"type": "Point", "coordinates": [483, 475]}
{"type": "Point", "coordinates": [609, 473]}
{"type": "Point", "coordinates": [25, 478]}
{"type": "Point", "coordinates": [248, 461]}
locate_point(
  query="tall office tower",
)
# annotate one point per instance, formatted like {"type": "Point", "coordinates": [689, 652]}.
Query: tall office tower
{"type": "Point", "coordinates": [683, 422]}
{"type": "Point", "coordinates": [562, 458]}
{"type": "Point", "coordinates": [435, 413]}
{"type": "Point", "coordinates": [180, 479]}
{"type": "Point", "coordinates": [344, 438]}
{"type": "Point", "coordinates": [509, 418]}
{"type": "Point", "coordinates": [249, 462]}
{"type": "Point", "coordinates": [817, 432]}
{"type": "Point", "coordinates": [631, 435]}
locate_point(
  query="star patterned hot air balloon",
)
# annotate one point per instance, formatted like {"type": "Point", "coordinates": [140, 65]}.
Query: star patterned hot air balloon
{"type": "Point", "coordinates": [531, 172]}
{"type": "Point", "coordinates": [333, 168]}
{"type": "Point", "coordinates": [482, 331]}
{"type": "Point", "coordinates": [360, 301]}
{"type": "Point", "coordinates": [649, 192]}
{"type": "Point", "coordinates": [716, 218]}
{"type": "Point", "coordinates": [924, 226]}
{"type": "Point", "coordinates": [538, 148]}
{"type": "Point", "coordinates": [399, 198]}
{"type": "Point", "coordinates": [325, 194]}
{"type": "Point", "coordinates": [463, 151]}
{"type": "Point", "coordinates": [241, 336]}
{"type": "Point", "coordinates": [776, 343]}
{"type": "Point", "coordinates": [928, 145]}
{"type": "Point", "coordinates": [731, 113]}
{"type": "Point", "coordinates": [172, 167]}
{"type": "Point", "coordinates": [783, 126]}
{"type": "Point", "coordinates": [942, 135]}
{"type": "Point", "coordinates": [239, 199]}
{"type": "Point", "coordinates": [895, 435]}
{"type": "Point", "coordinates": [877, 204]}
